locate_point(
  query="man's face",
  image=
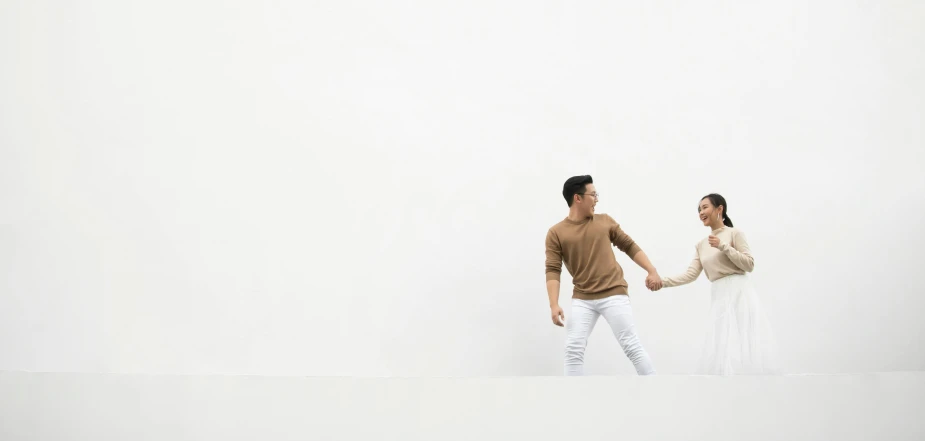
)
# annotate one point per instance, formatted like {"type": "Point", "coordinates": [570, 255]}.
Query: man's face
{"type": "Point", "coordinates": [587, 201]}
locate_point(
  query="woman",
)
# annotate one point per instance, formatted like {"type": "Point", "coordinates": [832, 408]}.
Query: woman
{"type": "Point", "coordinates": [739, 339]}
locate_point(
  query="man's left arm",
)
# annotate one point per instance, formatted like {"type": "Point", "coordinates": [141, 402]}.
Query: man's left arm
{"type": "Point", "coordinates": [626, 244]}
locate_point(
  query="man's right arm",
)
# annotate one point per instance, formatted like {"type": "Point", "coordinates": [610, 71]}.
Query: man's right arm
{"type": "Point", "coordinates": [553, 274]}
{"type": "Point", "coordinates": [553, 257]}
{"type": "Point", "coordinates": [552, 289]}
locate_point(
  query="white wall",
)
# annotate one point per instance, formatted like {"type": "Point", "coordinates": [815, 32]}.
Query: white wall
{"type": "Point", "coordinates": [362, 188]}
{"type": "Point", "coordinates": [54, 406]}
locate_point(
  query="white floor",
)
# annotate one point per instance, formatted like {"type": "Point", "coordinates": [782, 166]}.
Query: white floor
{"type": "Point", "coordinates": [63, 406]}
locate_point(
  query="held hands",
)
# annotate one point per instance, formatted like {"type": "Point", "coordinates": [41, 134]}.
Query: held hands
{"type": "Point", "coordinates": [557, 315]}
{"type": "Point", "coordinates": [654, 282]}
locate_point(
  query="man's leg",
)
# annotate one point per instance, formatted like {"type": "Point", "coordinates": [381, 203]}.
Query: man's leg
{"type": "Point", "coordinates": [578, 328]}
{"type": "Point", "coordinates": [618, 313]}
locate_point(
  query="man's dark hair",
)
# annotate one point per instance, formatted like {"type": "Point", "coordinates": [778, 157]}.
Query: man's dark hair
{"type": "Point", "coordinates": [575, 185]}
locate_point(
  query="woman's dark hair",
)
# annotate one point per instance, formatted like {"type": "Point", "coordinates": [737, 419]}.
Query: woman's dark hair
{"type": "Point", "coordinates": [717, 201]}
{"type": "Point", "coordinates": [575, 185]}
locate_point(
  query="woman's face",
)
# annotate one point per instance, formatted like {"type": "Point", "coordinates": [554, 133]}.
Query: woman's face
{"type": "Point", "coordinates": [708, 213]}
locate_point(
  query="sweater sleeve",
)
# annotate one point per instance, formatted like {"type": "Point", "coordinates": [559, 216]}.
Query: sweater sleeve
{"type": "Point", "coordinates": [692, 273]}
{"type": "Point", "coordinates": [740, 254]}
{"type": "Point", "coordinates": [553, 256]}
{"type": "Point", "coordinates": [621, 240]}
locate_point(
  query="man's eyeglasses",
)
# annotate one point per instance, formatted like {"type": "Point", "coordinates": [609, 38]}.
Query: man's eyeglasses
{"type": "Point", "coordinates": [594, 195]}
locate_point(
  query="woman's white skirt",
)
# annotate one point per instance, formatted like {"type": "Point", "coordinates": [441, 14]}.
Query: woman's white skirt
{"type": "Point", "coordinates": [739, 339]}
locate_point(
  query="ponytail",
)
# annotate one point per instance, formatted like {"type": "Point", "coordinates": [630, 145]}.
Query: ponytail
{"type": "Point", "coordinates": [726, 221]}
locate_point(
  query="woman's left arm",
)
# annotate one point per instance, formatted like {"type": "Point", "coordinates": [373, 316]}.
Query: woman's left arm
{"type": "Point", "coordinates": [740, 254]}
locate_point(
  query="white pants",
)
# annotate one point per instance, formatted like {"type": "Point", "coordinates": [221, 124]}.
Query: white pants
{"type": "Point", "coordinates": [618, 313]}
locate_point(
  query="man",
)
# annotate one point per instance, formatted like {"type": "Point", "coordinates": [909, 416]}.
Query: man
{"type": "Point", "coordinates": [583, 241]}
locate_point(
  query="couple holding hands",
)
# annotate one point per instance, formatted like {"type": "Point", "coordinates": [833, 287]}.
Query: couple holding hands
{"type": "Point", "coordinates": [739, 338]}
